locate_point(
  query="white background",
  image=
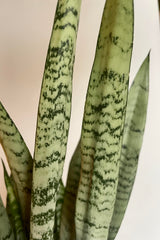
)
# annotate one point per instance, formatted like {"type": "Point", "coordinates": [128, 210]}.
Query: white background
{"type": "Point", "coordinates": [25, 28]}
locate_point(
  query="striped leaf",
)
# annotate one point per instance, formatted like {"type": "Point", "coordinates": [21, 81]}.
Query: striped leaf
{"type": "Point", "coordinates": [19, 160]}
{"type": "Point", "coordinates": [132, 142]}
{"type": "Point", "coordinates": [14, 208]}
{"type": "Point", "coordinates": [58, 211]}
{"type": "Point", "coordinates": [103, 122]}
{"type": "Point", "coordinates": [53, 118]}
{"type": "Point", "coordinates": [67, 230]}
{"type": "Point", "coordinates": [6, 232]}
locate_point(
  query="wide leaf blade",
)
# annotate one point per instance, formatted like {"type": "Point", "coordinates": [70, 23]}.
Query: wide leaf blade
{"type": "Point", "coordinates": [19, 160]}
{"type": "Point", "coordinates": [132, 142]}
{"type": "Point", "coordinates": [53, 118]}
{"type": "Point", "coordinates": [103, 122]}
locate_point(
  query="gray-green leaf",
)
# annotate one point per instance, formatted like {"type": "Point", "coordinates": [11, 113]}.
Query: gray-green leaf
{"type": "Point", "coordinates": [6, 232]}
{"type": "Point", "coordinates": [58, 212]}
{"type": "Point", "coordinates": [53, 118]}
{"type": "Point", "coordinates": [132, 142]}
{"type": "Point", "coordinates": [103, 122]}
{"type": "Point", "coordinates": [19, 160]}
{"type": "Point", "coordinates": [67, 230]}
{"type": "Point", "coordinates": [14, 208]}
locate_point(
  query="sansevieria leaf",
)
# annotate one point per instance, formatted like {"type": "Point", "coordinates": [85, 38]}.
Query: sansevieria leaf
{"type": "Point", "coordinates": [58, 210]}
{"type": "Point", "coordinates": [6, 231]}
{"type": "Point", "coordinates": [103, 122]}
{"type": "Point", "coordinates": [19, 160]}
{"type": "Point", "coordinates": [14, 209]}
{"type": "Point", "coordinates": [67, 230]}
{"type": "Point", "coordinates": [53, 118]}
{"type": "Point", "coordinates": [132, 142]}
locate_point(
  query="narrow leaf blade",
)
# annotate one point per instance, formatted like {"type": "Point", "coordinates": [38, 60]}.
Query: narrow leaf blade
{"type": "Point", "coordinates": [58, 212]}
{"type": "Point", "coordinates": [53, 118]}
{"type": "Point", "coordinates": [103, 122]}
{"type": "Point", "coordinates": [132, 142]}
{"type": "Point", "coordinates": [14, 208]}
{"type": "Point", "coordinates": [67, 230]}
{"type": "Point", "coordinates": [6, 231]}
{"type": "Point", "coordinates": [19, 160]}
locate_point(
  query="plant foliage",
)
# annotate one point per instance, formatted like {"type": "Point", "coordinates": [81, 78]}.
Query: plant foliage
{"type": "Point", "coordinates": [102, 171]}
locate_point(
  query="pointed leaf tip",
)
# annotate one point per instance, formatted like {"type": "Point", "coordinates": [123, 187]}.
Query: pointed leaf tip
{"type": "Point", "coordinates": [131, 146]}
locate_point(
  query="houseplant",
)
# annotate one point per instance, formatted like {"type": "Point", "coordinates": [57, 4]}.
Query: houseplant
{"type": "Point", "coordinates": [115, 79]}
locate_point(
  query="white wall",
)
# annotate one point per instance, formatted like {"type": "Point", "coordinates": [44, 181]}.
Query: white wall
{"type": "Point", "coordinates": [25, 28]}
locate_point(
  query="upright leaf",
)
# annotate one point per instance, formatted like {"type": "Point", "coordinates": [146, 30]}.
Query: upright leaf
{"type": "Point", "coordinates": [6, 231]}
{"type": "Point", "coordinates": [67, 230]}
{"type": "Point", "coordinates": [132, 142]}
{"type": "Point", "coordinates": [103, 122]}
{"type": "Point", "coordinates": [53, 118]}
{"type": "Point", "coordinates": [19, 160]}
{"type": "Point", "coordinates": [14, 209]}
{"type": "Point", "coordinates": [58, 211]}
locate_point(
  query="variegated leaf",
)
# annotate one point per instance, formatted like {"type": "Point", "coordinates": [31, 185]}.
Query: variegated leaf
{"type": "Point", "coordinates": [19, 160]}
{"type": "Point", "coordinates": [6, 231]}
{"type": "Point", "coordinates": [58, 211]}
{"type": "Point", "coordinates": [53, 118]}
{"type": "Point", "coordinates": [103, 122]}
{"type": "Point", "coordinates": [67, 230]}
{"type": "Point", "coordinates": [132, 142]}
{"type": "Point", "coordinates": [14, 208]}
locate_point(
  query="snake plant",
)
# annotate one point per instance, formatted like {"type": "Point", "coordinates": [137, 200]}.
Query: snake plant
{"type": "Point", "coordinates": [102, 170]}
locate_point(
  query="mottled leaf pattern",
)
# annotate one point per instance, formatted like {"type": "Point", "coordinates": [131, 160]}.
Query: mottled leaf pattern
{"type": "Point", "coordinates": [19, 160]}
{"type": "Point", "coordinates": [58, 211]}
{"type": "Point", "coordinates": [14, 208]}
{"type": "Point", "coordinates": [104, 165]}
{"type": "Point", "coordinates": [6, 232]}
{"type": "Point", "coordinates": [132, 142]}
{"type": "Point", "coordinates": [67, 230]}
{"type": "Point", "coordinates": [53, 118]}
{"type": "Point", "coordinates": [103, 122]}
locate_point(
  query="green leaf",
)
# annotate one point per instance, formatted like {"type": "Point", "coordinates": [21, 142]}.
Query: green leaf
{"type": "Point", "coordinates": [6, 232]}
{"type": "Point", "coordinates": [103, 122]}
{"type": "Point", "coordinates": [132, 142]}
{"type": "Point", "coordinates": [53, 118]}
{"type": "Point", "coordinates": [19, 160]}
{"type": "Point", "coordinates": [58, 212]}
{"type": "Point", "coordinates": [14, 208]}
{"type": "Point", "coordinates": [67, 230]}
